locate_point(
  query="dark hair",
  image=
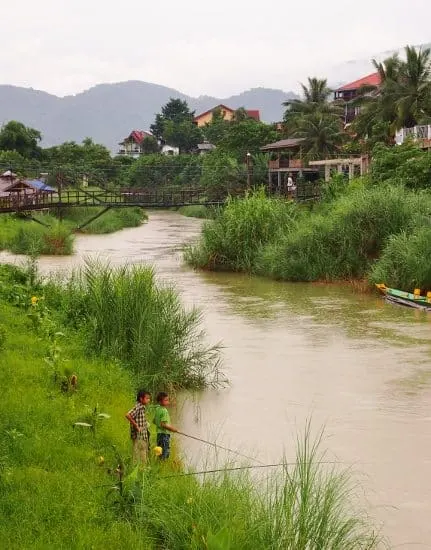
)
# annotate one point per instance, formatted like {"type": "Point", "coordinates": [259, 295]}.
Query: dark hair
{"type": "Point", "coordinates": [142, 393]}
{"type": "Point", "coordinates": [160, 396]}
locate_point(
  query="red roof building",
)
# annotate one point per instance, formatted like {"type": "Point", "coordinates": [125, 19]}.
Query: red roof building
{"type": "Point", "coordinates": [349, 91]}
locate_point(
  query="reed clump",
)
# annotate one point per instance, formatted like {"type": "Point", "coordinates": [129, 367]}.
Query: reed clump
{"type": "Point", "coordinates": [234, 238]}
{"type": "Point", "coordinates": [124, 314]}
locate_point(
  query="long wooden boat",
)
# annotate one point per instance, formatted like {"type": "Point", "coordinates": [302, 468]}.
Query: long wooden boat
{"type": "Point", "coordinates": [405, 298]}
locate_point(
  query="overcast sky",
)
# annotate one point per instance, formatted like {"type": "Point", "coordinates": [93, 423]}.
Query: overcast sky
{"type": "Point", "coordinates": [200, 47]}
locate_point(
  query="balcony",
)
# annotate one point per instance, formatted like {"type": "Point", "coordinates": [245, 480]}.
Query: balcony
{"type": "Point", "coordinates": [420, 134]}
{"type": "Point", "coordinates": [285, 163]}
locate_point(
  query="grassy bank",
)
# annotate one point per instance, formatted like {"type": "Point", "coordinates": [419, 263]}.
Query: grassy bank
{"type": "Point", "coordinates": [55, 237]}
{"type": "Point", "coordinates": [357, 235]}
{"type": "Point", "coordinates": [196, 211]}
{"type": "Point", "coordinates": [67, 487]}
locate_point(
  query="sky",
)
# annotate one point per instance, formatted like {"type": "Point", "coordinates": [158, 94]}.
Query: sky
{"type": "Point", "coordinates": [198, 47]}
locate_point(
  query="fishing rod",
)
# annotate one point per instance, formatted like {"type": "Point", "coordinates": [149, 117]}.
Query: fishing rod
{"type": "Point", "coordinates": [217, 446]}
{"type": "Point", "coordinates": [237, 468]}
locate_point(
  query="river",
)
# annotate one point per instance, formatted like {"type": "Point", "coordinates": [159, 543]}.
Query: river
{"type": "Point", "coordinates": [348, 361]}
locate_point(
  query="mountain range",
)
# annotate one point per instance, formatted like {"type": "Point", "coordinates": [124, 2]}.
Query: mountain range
{"type": "Point", "coordinates": [108, 112]}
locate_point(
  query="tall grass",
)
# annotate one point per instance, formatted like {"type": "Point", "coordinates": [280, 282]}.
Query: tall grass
{"type": "Point", "coordinates": [125, 314]}
{"type": "Point", "coordinates": [196, 211]}
{"type": "Point", "coordinates": [405, 262]}
{"type": "Point", "coordinates": [28, 237]}
{"type": "Point", "coordinates": [343, 240]}
{"type": "Point", "coordinates": [307, 505]}
{"type": "Point", "coordinates": [113, 220]}
{"type": "Point", "coordinates": [233, 240]}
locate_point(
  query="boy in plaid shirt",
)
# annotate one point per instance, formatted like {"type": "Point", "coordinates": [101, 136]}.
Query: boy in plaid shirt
{"type": "Point", "coordinates": [139, 431]}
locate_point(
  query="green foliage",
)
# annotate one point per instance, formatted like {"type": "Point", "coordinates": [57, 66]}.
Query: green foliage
{"type": "Point", "coordinates": [50, 471]}
{"type": "Point", "coordinates": [175, 126]}
{"type": "Point", "coordinates": [246, 136]}
{"type": "Point", "coordinates": [221, 173]}
{"type": "Point", "coordinates": [404, 263]}
{"type": "Point", "coordinates": [304, 507]}
{"type": "Point", "coordinates": [125, 315]}
{"type": "Point", "coordinates": [342, 242]}
{"type": "Point", "coordinates": [195, 211]}
{"type": "Point", "coordinates": [150, 145]}
{"type": "Point", "coordinates": [2, 337]}
{"type": "Point", "coordinates": [111, 221]}
{"type": "Point", "coordinates": [15, 136]}
{"type": "Point", "coordinates": [403, 98]}
{"type": "Point", "coordinates": [239, 231]}
{"type": "Point", "coordinates": [161, 170]}
{"type": "Point", "coordinates": [27, 237]}
{"type": "Point", "coordinates": [321, 132]}
{"type": "Point", "coordinates": [389, 163]}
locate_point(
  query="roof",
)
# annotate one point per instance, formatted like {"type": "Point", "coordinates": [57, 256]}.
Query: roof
{"type": "Point", "coordinates": [138, 136]}
{"type": "Point", "coordinates": [205, 146]}
{"type": "Point", "coordinates": [8, 174]}
{"type": "Point", "coordinates": [283, 144]}
{"type": "Point", "coordinates": [369, 80]}
{"type": "Point", "coordinates": [33, 184]}
{"type": "Point", "coordinates": [252, 113]}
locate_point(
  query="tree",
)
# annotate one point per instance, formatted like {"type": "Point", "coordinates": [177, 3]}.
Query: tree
{"type": "Point", "coordinates": [150, 145]}
{"type": "Point", "coordinates": [176, 111]}
{"type": "Point", "coordinates": [247, 136]}
{"type": "Point", "coordinates": [321, 132]}
{"type": "Point", "coordinates": [316, 98]}
{"type": "Point", "coordinates": [403, 98]}
{"type": "Point", "coordinates": [15, 136]}
{"type": "Point", "coordinates": [175, 126]}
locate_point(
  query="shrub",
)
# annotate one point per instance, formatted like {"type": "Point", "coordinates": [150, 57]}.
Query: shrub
{"type": "Point", "coordinates": [195, 211]}
{"type": "Point", "coordinates": [405, 263]}
{"type": "Point", "coordinates": [2, 337]}
{"type": "Point", "coordinates": [234, 238]}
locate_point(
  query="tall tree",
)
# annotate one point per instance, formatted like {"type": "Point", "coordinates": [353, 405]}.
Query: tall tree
{"type": "Point", "coordinates": [176, 111]}
{"type": "Point", "coordinates": [15, 136]}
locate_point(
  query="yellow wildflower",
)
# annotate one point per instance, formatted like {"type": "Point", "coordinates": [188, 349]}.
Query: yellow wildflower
{"type": "Point", "coordinates": [34, 300]}
{"type": "Point", "coordinates": [190, 500]}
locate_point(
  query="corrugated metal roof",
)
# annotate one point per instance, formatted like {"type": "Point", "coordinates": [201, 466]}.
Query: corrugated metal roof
{"type": "Point", "coordinates": [40, 186]}
{"type": "Point", "coordinates": [283, 144]}
{"type": "Point", "coordinates": [369, 80]}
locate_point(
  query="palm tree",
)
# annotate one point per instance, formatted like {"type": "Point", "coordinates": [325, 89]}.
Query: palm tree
{"type": "Point", "coordinates": [321, 132]}
{"type": "Point", "coordinates": [316, 98]}
{"type": "Point", "coordinates": [414, 88]}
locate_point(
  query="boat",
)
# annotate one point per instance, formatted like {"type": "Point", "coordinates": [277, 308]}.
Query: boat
{"type": "Point", "coordinates": [403, 298]}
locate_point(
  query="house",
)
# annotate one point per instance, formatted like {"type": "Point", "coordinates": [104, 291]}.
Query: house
{"type": "Point", "coordinates": [285, 159]}
{"type": "Point", "coordinates": [132, 145]}
{"type": "Point", "coordinates": [6, 179]}
{"type": "Point", "coordinates": [29, 187]}
{"type": "Point", "coordinates": [227, 113]}
{"type": "Point", "coordinates": [349, 92]}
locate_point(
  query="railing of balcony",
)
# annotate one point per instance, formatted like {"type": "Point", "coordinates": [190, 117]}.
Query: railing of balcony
{"type": "Point", "coordinates": [421, 133]}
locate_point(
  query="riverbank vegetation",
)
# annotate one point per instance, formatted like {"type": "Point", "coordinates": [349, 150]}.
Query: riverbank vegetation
{"type": "Point", "coordinates": [52, 236]}
{"type": "Point", "coordinates": [361, 231]}
{"type": "Point", "coordinates": [64, 451]}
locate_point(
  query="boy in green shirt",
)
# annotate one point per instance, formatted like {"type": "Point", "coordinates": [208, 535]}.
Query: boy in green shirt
{"type": "Point", "coordinates": [163, 422]}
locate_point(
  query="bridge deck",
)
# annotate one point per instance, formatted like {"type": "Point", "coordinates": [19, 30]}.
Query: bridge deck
{"type": "Point", "coordinates": [113, 199]}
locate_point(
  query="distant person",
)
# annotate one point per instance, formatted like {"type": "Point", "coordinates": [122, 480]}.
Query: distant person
{"type": "Point", "coordinates": [139, 427]}
{"type": "Point", "coordinates": [290, 186]}
{"type": "Point", "coordinates": [162, 420]}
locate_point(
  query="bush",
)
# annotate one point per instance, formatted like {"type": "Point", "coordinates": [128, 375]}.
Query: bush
{"type": "Point", "coordinates": [124, 315]}
{"type": "Point", "coordinates": [2, 337]}
{"type": "Point", "coordinates": [405, 263]}
{"type": "Point", "coordinates": [233, 240]}
{"type": "Point", "coordinates": [158, 170]}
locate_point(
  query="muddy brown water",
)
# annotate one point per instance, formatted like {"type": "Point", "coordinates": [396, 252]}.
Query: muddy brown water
{"type": "Point", "coordinates": [292, 352]}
